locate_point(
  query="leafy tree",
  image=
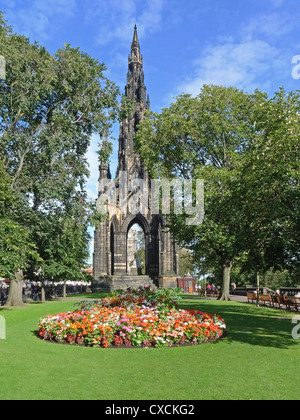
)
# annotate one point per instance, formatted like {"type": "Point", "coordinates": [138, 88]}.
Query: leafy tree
{"type": "Point", "coordinates": [271, 188]}
{"type": "Point", "coordinates": [16, 248]}
{"type": "Point", "coordinates": [68, 253]}
{"type": "Point", "coordinates": [246, 149]}
{"type": "Point", "coordinates": [204, 138]}
{"type": "Point", "coordinates": [186, 262]}
{"type": "Point", "coordinates": [105, 151]}
{"type": "Point", "coordinates": [50, 105]}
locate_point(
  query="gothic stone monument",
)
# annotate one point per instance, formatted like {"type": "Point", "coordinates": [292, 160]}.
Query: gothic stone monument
{"type": "Point", "coordinates": [112, 245]}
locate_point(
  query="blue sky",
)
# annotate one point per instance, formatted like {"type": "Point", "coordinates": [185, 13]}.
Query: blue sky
{"type": "Point", "coordinates": [248, 44]}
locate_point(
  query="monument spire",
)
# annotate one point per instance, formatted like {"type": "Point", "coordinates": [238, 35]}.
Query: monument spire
{"type": "Point", "coordinates": [135, 41]}
{"type": "Point", "coordinates": [135, 88]}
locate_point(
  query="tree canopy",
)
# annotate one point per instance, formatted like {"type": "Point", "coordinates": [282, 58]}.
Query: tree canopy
{"type": "Point", "coordinates": [246, 149]}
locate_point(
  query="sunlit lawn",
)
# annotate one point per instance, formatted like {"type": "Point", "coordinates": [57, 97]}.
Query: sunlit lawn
{"type": "Point", "coordinates": [258, 359]}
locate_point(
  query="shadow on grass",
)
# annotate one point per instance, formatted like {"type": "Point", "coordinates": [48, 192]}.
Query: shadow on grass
{"type": "Point", "coordinates": [36, 303]}
{"type": "Point", "coordinates": [248, 324]}
{"type": "Point", "coordinates": [86, 296]}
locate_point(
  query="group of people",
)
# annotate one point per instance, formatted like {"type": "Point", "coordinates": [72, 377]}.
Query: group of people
{"type": "Point", "coordinates": [210, 289]}
{"type": "Point", "coordinates": [4, 289]}
{"type": "Point", "coordinates": [32, 290]}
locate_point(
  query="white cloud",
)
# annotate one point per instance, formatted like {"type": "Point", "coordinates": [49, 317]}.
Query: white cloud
{"type": "Point", "coordinates": [252, 58]}
{"type": "Point", "coordinates": [272, 26]}
{"type": "Point", "coordinates": [231, 64]}
{"type": "Point", "coordinates": [277, 3]}
{"type": "Point", "coordinates": [54, 7]}
{"type": "Point", "coordinates": [38, 19]}
{"type": "Point", "coordinates": [116, 18]}
{"type": "Point", "coordinates": [152, 15]}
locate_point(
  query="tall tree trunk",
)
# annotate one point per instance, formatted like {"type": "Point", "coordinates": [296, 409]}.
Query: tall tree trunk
{"type": "Point", "coordinates": [16, 290]}
{"type": "Point", "coordinates": [64, 290]}
{"type": "Point", "coordinates": [226, 270]}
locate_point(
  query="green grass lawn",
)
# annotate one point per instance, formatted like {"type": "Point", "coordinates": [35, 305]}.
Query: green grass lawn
{"type": "Point", "coordinates": [258, 359]}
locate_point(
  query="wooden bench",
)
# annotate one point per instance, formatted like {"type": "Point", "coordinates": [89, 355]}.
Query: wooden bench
{"type": "Point", "coordinates": [287, 301]}
{"type": "Point", "coordinates": [212, 292]}
{"type": "Point", "coordinates": [252, 297]}
{"type": "Point", "coordinates": [294, 302]}
{"type": "Point", "coordinates": [266, 298]}
{"type": "Point", "coordinates": [277, 300]}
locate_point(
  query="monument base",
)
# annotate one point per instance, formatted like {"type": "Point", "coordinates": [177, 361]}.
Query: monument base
{"type": "Point", "coordinates": [122, 282]}
{"type": "Point", "coordinates": [167, 282]}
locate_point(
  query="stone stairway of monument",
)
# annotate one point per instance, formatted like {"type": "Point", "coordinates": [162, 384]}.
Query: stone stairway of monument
{"type": "Point", "coordinates": [132, 281]}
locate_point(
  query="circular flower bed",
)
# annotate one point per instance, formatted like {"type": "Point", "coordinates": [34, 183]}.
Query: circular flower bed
{"type": "Point", "coordinates": [139, 319]}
